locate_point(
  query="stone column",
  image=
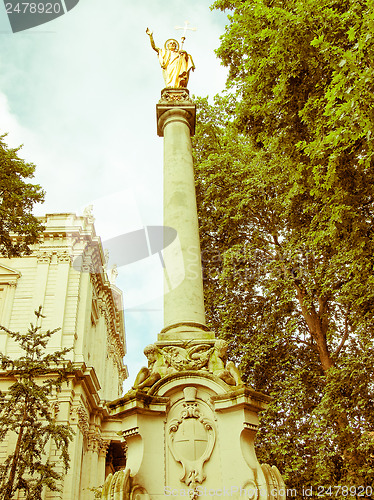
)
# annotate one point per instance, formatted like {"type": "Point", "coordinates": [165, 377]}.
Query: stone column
{"type": "Point", "coordinates": [184, 314]}
{"type": "Point", "coordinates": [91, 462]}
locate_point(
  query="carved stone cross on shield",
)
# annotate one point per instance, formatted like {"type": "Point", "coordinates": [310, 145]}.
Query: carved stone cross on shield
{"type": "Point", "coordinates": [191, 440]}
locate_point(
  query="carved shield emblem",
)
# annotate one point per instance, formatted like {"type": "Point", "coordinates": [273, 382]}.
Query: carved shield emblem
{"type": "Point", "coordinates": [191, 441]}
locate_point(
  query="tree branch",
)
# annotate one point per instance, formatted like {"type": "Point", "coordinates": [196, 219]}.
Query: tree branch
{"type": "Point", "coordinates": [344, 338]}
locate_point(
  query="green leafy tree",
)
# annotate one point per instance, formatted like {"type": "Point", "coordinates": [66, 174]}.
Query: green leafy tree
{"type": "Point", "coordinates": [284, 166]}
{"type": "Point", "coordinates": [26, 409]}
{"type": "Point", "coordinates": [17, 199]}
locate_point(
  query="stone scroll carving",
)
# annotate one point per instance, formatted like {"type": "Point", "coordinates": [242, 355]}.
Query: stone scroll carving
{"type": "Point", "coordinates": [117, 486]}
{"type": "Point", "coordinates": [191, 439]}
{"type": "Point", "coordinates": [163, 361]}
{"type": "Point", "coordinates": [274, 481]}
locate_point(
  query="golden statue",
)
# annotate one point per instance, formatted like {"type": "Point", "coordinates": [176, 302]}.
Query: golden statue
{"type": "Point", "coordinates": [176, 64]}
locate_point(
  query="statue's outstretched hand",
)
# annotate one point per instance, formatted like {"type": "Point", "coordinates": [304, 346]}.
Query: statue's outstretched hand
{"type": "Point", "coordinates": [149, 32]}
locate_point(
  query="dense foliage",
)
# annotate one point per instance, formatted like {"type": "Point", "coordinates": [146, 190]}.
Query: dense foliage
{"type": "Point", "coordinates": [284, 165]}
{"type": "Point", "coordinates": [17, 199]}
{"type": "Point", "coordinates": [28, 410]}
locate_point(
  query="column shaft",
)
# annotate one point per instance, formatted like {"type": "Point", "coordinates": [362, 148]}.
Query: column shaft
{"type": "Point", "coordinates": [184, 314]}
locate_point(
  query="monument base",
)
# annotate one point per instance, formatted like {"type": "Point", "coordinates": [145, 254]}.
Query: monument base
{"type": "Point", "coordinates": [192, 436]}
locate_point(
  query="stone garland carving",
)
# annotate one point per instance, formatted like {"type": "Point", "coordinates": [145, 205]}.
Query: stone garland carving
{"type": "Point", "coordinates": [173, 95]}
{"type": "Point", "coordinates": [114, 353]}
{"type": "Point", "coordinates": [191, 440]}
{"type": "Point", "coordinates": [78, 416]}
{"type": "Point", "coordinates": [110, 323]}
{"type": "Point", "coordinates": [172, 359]}
{"type": "Point", "coordinates": [193, 358]}
{"type": "Point", "coordinates": [110, 318]}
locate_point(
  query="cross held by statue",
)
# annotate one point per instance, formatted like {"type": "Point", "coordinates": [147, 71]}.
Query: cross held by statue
{"type": "Point", "coordinates": [184, 28]}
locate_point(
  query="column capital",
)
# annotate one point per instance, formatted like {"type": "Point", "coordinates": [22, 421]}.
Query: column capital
{"type": "Point", "coordinates": [175, 104]}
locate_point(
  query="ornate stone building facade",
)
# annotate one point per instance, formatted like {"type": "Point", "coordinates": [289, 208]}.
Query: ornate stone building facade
{"type": "Point", "coordinates": [65, 275]}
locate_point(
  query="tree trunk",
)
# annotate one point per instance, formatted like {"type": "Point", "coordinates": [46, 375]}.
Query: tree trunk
{"type": "Point", "coordinates": [317, 325]}
{"type": "Point", "coordinates": [13, 469]}
{"type": "Point", "coordinates": [318, 328]}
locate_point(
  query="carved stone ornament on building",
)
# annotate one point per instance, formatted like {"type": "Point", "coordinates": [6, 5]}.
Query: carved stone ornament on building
{"type": "Point", "coordinates": [163, 361]}
{"type": "Point", "coordinates": [117, 485]}
{"type": "Point", "coordinates": [64, 257]}
{"type": "Point", "coordinates": [94, 441]}
{"type": "Point", "coordinates": [193, 358]}
{"type": "Point", "coordinates": [78, 416]}
{"type": "Point", "coordinates": [191, 439]}
{"type": "Point", "coordinates": [87, 212]}
{"type": "Point", "coordinates": [44, 257]}
{"type": "Point", "coordinates": [104, 446]}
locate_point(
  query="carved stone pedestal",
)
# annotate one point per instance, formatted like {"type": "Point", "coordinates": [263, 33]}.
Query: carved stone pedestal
{"type": "Point", "coordinates": [191, 435]}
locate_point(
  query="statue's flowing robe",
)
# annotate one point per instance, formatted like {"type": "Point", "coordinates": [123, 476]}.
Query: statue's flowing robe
{"type": "Point", "coordinates": [176, 67]}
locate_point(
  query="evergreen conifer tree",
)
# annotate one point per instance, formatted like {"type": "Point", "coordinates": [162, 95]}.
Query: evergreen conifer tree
{"type": "Point", "coordinates": [28, 410]}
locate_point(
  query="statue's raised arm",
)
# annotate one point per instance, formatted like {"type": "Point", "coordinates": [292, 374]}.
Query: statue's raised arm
{"type": "Point", "coordinates": [176, 64]}
{"type": "Point", "coordinates": [150, 34]}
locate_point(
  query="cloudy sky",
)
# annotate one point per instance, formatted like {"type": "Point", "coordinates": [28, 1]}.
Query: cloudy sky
{"type": "Point", "coordinates": [80, 93]}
